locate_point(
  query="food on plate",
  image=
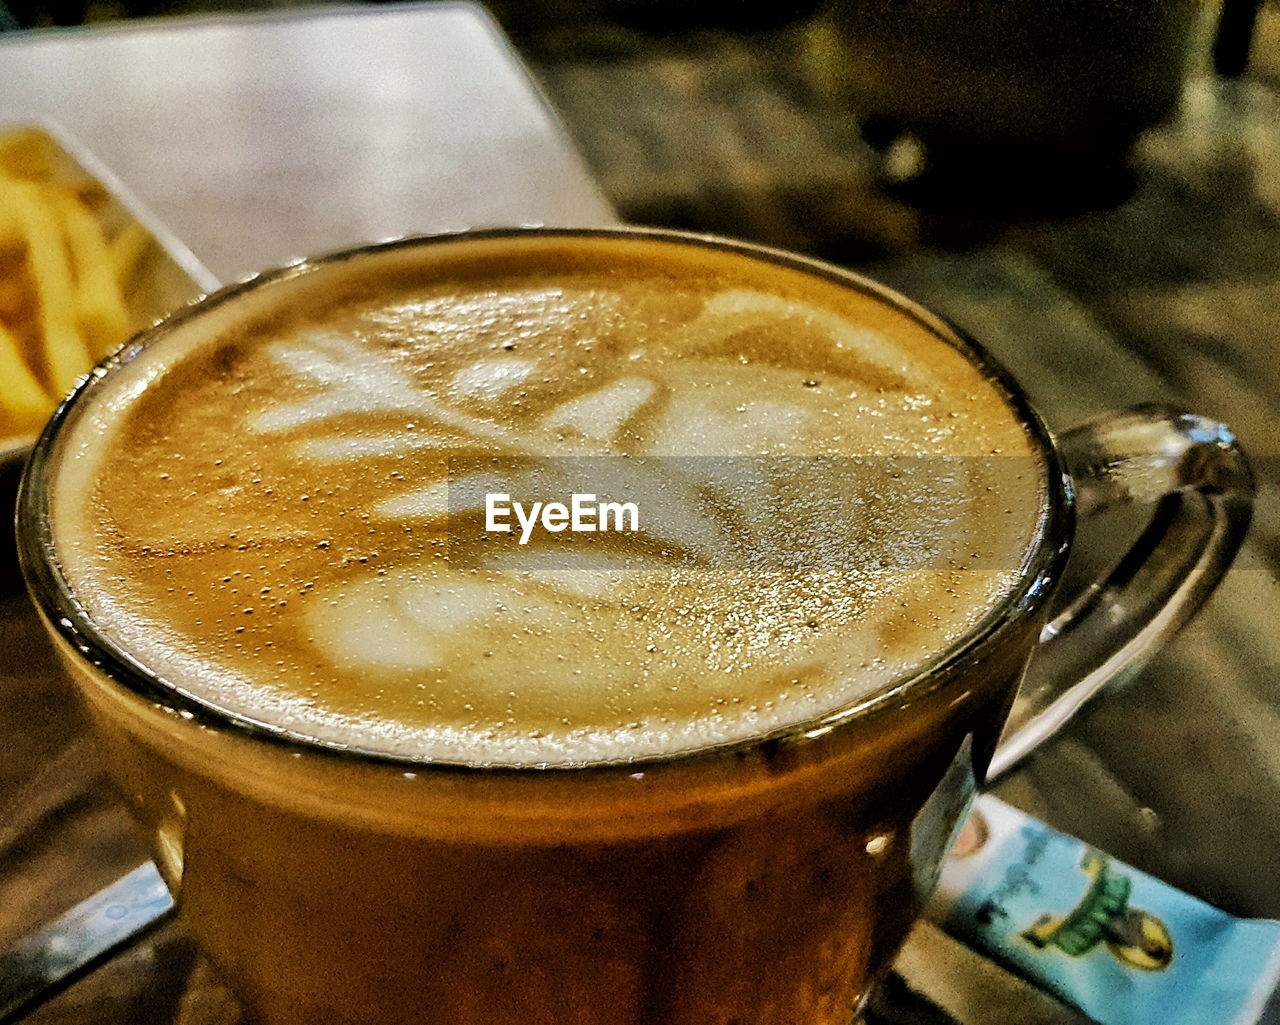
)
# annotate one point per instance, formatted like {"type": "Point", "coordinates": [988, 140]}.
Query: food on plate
{"type": "Point", "coordinates": [66, 260]}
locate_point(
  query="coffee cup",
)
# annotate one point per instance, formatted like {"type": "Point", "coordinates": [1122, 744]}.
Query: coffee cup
{"type": "Point", "coordinates": [582, 626]}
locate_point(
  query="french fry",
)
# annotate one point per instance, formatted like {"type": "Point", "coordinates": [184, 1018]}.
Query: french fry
{"type": "Point", "coordinates": [65, 355]}
{"type": "Point", "coordinates": [126, 251]}
{"type": "Point", "coordinates": [27, 154]}
{"type": "Point", "coordinates": [16, 306]}
{"type": "Point", "coordinates": [24, 404]}
{"type": "Point", "coordinates": [10, 231]}
{"type": "Point", "coordinates": [99, 304]}
{"type": "Point", "coordinates": [68, 259]}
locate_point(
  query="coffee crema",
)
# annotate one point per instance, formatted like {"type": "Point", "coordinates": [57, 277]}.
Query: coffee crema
{"type": "Point", "coordinates": [279, 507]}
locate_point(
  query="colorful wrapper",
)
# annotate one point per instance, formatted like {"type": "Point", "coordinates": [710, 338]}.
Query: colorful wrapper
{"type": "Point", "coordinates": [1123, 947]}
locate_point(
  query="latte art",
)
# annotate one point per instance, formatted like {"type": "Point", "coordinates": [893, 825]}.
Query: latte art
{"type": "Point", "coordinates": [282, 511]}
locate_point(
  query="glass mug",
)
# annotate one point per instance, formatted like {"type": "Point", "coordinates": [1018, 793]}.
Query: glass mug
{"type": "Point", "coordinates": [765, 881]}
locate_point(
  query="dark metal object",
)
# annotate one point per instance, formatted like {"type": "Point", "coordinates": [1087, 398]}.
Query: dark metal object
{"type": "Point", "coordinates": [48, 960]}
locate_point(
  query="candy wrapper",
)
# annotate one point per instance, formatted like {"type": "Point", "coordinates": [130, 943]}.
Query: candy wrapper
{"type": "Point", "coordinates": [1123, 947]}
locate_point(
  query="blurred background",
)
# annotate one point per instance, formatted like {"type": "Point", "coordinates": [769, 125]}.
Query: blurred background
{"type": "Point", "coordinates": [846, 128]}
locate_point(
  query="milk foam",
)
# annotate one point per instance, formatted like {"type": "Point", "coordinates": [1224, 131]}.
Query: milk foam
{"type": "Point", "coordinates": [278, 506]}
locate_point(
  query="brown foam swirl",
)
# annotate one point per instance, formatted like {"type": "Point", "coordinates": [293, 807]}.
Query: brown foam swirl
{"type": "Point", "coordinates": [279, 506]}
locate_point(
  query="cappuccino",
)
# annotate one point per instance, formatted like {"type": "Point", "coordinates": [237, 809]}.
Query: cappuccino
{"type": "Point", "coordinates": [281, 510]}
{"type": "Point", "coordinates": [400, 768]}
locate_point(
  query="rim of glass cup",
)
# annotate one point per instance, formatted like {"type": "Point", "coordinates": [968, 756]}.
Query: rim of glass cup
{"type": "Point", "coordinates": [54, 597]}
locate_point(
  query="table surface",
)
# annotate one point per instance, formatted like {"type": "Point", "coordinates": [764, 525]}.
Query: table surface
{"type": "Point", "coordinates": [262, 139]}
{"type": "Point", "coordinates": [257, 139]}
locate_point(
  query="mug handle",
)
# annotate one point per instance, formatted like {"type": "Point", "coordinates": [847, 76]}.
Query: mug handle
{"type": "Point", "coordinates": [1193, 474]}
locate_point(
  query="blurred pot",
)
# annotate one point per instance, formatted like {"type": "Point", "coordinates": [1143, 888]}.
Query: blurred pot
{"type": "Point", "coordinates": [1009, 104]}
{"type": "Point", "coordinates": [1073, 75]}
